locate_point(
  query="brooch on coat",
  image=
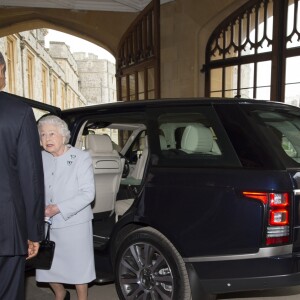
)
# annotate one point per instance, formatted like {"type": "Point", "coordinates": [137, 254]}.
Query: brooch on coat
{"type": "Point", "coordinates": [69, 162]}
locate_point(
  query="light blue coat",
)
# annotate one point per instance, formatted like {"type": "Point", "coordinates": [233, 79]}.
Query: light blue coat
{"type": "Point", "coordinates": [69, 183]}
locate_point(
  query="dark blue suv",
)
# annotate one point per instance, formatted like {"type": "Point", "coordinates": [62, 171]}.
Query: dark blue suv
{"type": "Point", "coordinates": [204, 196]}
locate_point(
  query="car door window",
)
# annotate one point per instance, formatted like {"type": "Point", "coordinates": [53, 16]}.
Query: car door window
{"type": "Point", "coordinates": [39, 108]}
{"type": "Point", "coordinates": [194, 138]}
{"type": "Point", "coordinates": [118, 137]}
{"type": "Point", "coordinates": [136, 149]}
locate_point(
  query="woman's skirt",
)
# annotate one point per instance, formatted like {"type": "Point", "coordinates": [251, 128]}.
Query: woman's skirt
{"type": "Point", "coordinates": [73, 261]}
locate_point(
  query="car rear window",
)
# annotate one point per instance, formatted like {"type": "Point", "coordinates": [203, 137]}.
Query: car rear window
{"type": "Point", "coordinates": [282, 126]}
{"type": "Point", "coordinates": [264, 135]}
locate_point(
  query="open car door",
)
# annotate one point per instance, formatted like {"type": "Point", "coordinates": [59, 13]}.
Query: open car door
{"type": "Point", "coordinates": [40, 109]}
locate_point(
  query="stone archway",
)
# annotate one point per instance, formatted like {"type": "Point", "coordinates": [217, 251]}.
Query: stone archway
{"type": "Point", "coordinates": [105, 29]}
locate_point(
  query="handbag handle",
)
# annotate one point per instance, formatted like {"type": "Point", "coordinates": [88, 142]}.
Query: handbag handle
{"type": "Point", "coordinates": [47, 238]}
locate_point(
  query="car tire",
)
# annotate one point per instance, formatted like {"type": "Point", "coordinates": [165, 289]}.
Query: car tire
{"type": "Point", "coordinates": [148, 266]}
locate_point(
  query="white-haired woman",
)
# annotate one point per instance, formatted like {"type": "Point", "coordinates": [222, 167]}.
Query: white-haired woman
{"type": "Point", "coordinates": [69, 189]}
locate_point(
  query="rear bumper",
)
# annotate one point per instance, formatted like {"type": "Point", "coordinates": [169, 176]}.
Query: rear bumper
{"type": "Point", "coordinates": [243, 275]}
{"type": "Point", "coordinates": [221, 286]}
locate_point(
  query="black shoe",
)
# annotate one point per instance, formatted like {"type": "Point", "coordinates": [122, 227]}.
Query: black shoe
{"type": "Point", "coordinates": [68, 296]}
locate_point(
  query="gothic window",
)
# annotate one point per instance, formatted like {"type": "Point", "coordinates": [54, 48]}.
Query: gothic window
{"type": "Point", "coordinates": [255, 53]}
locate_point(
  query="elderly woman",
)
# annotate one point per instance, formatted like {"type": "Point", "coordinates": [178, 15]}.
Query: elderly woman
{"type": "Point", "coordinates": [69, 188]}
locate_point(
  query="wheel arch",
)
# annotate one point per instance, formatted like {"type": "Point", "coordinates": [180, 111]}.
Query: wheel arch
{"type": "Point", "coordinates": [163, 243]}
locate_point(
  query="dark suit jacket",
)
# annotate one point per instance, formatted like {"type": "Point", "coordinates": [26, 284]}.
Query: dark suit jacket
{"type": "Point", "coordinates": [21, 177]}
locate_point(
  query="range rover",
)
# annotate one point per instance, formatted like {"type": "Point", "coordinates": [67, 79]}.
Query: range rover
{"type": "Point", "coordinates": [194, 197]}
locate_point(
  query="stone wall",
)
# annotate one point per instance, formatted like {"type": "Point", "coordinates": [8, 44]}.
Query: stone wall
{"type": "Point", "coordinates": [97, 78]}
{"type": "Point", "coordinates": [185, 27]}
{"type": "Point", "coordinates": [69, 82]}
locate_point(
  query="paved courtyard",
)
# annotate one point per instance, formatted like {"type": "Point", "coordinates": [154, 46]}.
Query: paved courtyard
{"type": "Point", "coordinates": [43, 292]}
{"type": "Point", "coordinates": [108, 292]}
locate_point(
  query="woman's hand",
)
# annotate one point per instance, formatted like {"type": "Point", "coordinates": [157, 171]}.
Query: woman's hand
{"type": "Point", "coordinates": [51, 210]}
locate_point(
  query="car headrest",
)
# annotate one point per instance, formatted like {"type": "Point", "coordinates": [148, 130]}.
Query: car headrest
{"type": "Point", "coordinates": [97, 143]}
{"type": "Point", "coordinates": [197, 138]}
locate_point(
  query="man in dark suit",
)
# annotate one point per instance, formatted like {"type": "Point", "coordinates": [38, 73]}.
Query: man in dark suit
{"type": "Point", "coordinates": [21, 191]}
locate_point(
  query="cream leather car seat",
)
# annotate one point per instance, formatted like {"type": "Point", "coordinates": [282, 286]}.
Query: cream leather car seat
{"type": "Point", "coordinates": [107, 167]}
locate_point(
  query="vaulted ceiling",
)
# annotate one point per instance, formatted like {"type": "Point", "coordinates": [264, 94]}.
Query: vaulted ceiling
{"type": "Point", "coordinates": [102, 22]}
{"type": "Point", "coordinates": [98, 5]}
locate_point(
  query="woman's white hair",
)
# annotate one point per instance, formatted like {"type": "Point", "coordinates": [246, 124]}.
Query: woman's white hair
{"type": "Point", "coordinates": [59, 123]}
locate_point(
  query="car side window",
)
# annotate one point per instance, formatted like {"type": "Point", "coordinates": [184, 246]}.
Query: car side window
{"type": "Point", "coordinates": [118, 137]}
{"type": "Point", "coordinates": [286, 129]}
{"type": "Point", "coordinates": [193, 137]}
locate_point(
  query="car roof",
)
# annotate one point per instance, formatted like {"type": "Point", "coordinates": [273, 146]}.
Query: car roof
{"type": "Point", "coordinates": [121, 106]}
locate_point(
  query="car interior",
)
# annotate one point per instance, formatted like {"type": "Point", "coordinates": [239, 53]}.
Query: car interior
{"type": "Point", "coordinates": [188, 138]}
{"type": "Point", "coordinates": [120, 151]}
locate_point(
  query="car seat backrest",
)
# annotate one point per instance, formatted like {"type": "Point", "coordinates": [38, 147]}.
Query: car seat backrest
{"type": "Point", "coordinates": [197, 138]}
{"type": "Point", "coordinates": [139, 168]}
{"type": "Point", "coordinates": [163, 142]}
{"type": "Point", "coordinates": [107, 168]}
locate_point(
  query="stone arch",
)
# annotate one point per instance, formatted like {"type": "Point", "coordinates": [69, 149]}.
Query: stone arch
{"type": "Point", "coordinates": [98, 27]}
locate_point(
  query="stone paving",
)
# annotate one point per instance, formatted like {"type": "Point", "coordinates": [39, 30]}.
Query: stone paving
{"type": "Point", "coordinates": [36, 291]}
{"type": "Point", "coordinates": [108, 292]}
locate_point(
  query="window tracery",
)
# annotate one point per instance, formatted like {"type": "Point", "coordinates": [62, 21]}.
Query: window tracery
{"type": "Point", "coordinates": [253, 53]}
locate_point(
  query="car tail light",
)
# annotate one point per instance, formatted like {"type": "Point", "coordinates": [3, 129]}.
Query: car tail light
{"type": "Point", "coordinates": [279, 199]}
{"type": "Point", "coordinates": [278, 217]}
{"type": "Point", "coordinates": [278, 205]}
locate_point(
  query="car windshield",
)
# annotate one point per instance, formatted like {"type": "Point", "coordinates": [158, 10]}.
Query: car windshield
{"type": "Point", "coordinates": [284, 127]}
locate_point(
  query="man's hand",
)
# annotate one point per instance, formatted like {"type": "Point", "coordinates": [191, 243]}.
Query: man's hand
{"type": "Point", "coordinates": [33, 249]}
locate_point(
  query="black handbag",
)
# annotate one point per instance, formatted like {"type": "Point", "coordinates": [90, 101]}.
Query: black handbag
{"type": "Point", "coordinates": [43, 260]}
